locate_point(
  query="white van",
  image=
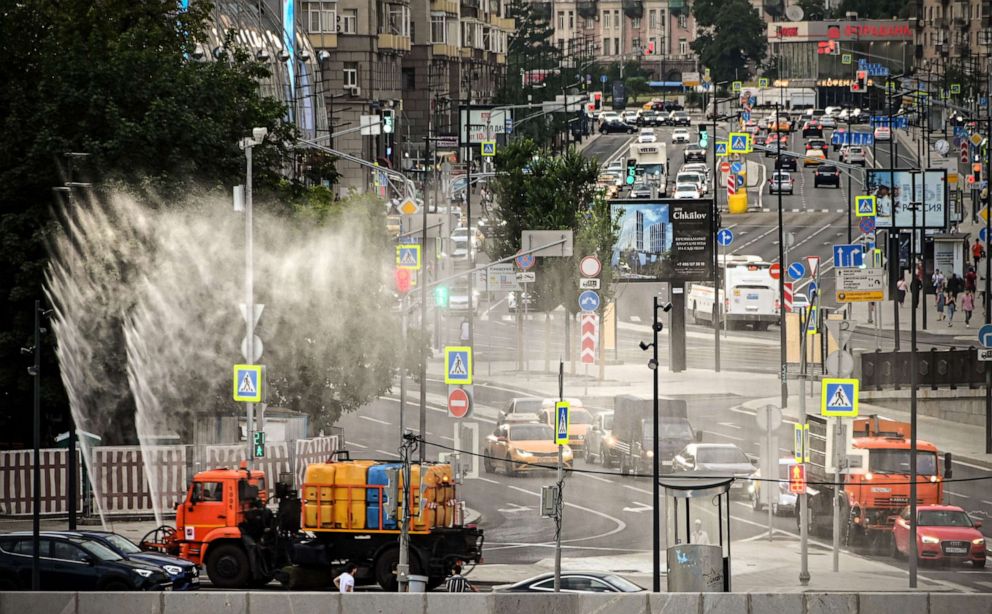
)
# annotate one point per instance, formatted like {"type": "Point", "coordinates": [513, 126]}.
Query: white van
{"type": "Point", "coordinates": [749, 295]}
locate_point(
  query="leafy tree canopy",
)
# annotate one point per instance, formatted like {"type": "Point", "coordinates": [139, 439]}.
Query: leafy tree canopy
{"type": "Point", "coordinates": [732, 37]}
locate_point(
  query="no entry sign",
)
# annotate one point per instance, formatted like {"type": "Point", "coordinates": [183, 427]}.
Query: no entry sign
{"type": "Point", "coordinates": [459, 403]}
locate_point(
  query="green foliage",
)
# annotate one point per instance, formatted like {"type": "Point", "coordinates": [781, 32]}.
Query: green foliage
{"type": "Point", "coordinates": [874, 9]}
{"type": "Point", "coordinates": [537, 191]}
{"type": "Point", "coordinates": [732, 37]}
{"type": "Point", "coordinates": [813, 10]}
{"type": "Point", "coordinates": [111, 78]}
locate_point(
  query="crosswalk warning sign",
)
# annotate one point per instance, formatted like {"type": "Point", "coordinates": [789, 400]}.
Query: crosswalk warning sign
{"type": "Point", "coordinates": [740, 143]}
{"type": "Point", "coordinates": [408, 257]}
{"type": "Point", "coordinates": [458, 365]}
{"type": "Point", "coordinates": [488, 149]}
{"type": "Point", "coordinates": [865, 206]}
{"type": "Point", "coordinates": [839, 397]}
{"type": "Point", "coordinates": [248, 383]}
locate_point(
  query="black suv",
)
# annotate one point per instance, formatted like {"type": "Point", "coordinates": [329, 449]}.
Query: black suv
{"type": "Point", "coordinates": [678, 118]}
{"type": "Point", "coordinates": [826, 175]}
{"type": "Point", "coordinates": [616, 126]}
{"type": "Point", "coordinates": [786, 163]}
{"type": "Point", "coordinates": [649, 118]}
{"type": "Point", "coordinates": [71, 563]}
{"type": "Point", "coordinates": [185, 576]}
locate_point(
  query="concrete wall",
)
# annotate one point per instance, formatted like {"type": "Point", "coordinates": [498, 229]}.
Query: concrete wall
{"type": "Point", "coordinates": [495, 603]}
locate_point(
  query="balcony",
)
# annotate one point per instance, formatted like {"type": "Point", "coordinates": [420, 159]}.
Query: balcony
{"type": "Point", "coordinates": [677, 7]}
{"type": "Point", "coordinates": [445, 51]}
{"type": "Point", "coordinates": [445, 6]}
{"type": "Point", "coordinates": [587, 8]}
{"type": "Point", "coordinates": [633, 8]}
{"type": "Point", "coordinates": [323, 41]}
{"type": "Point", "coordinates": [502, 23]}
{"type": "Point", "coordinates": [394, 42]}
{"type": "Point", "coordinates": [472, 4]}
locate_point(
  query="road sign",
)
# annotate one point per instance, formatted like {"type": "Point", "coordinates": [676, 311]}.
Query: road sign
{"type": "Point", "coordinates": [775, 270]}
{"type": "Point", "coordinates": [813, 321]}
{"type": "Point", "coordinates": [745, 115]}
{"type": "Point", "coordinates": [864, 206]}
{"type": "Point", "coordinates": [839, 397]}
{"type": "Point", "coordinates": [789, 295]}
{"type": "Point", "coordinates": [982, 235]}
{"type": "Point", "coordinates": [985, 335]}
{"type": "Point", "coordinates": [848, 255]}
{"type": "Point", "coordinates": [257, 348]}
{"type": "Point", "coordinates": [408, 257]}
{"type": "Point", "coordinates": [797, 479]}
{"type": "Point", "coordinates": [408, 207]}
{"type": "Point", "coordinates": [488, 149]}
{"type": "Point", "coordinates": [725, 237]}
{"type": "Point", "coordinates": [589, 301]}
{"type": "Point", "coordinates": [248, 383]}
{"type": "Point", "coordinates": [839, 363]}
{"type": "Point", "coordinates": [603, 78]}
{"type": "Point", "coordinates": [725, 167]}
{"type": "Point", "coordinates": [459, 403]}
{"type": "Point", "coordinates": [769, 417]}
{"type": "Point", "coordinates": [812, 289]}
{"type": "Point", "coordinates": [976, 139]}
{"type": "Point", "coordinates": [525, 261]}
{"type": "Point", "coordinates": [561, 422]}
{"type": "Point", "coordinates": [739, 143]}
{"type": "Point", "coordinates": [867, 225]}
{"type": "Point", "coordinates": [762, 81]}
{"type": "Point", "coordinates": [984, 354]}
{"type": "Point", "coordinates": [589, 337]}
{"type": "Point", "coordinates": [736, 86]}
{"type": "Point", "coordinates": [508, 125]}
{"type": "Point", "coordinates": [526, 277]}
{"type": "Point", "coordinates": [458, 365]}
{"type": "Point", "coordinates": [590, 266]}
{"type": "Point", "coordinates": [813, 262]}
{"type": "Point", "coordinates": [797, 270]}
{"type": "Point", "coordinates": [736, 166]}
{"type": "Point", "coordinates": [589, 283]}
{"type": "Point", "coordinates": [855, 285]}
{"type": "Point", "coordinates": [800, 443]}
{"type": "Point", "coordinates": [846, 58]}
{"type": "Point", "coordinates": [720, 147]}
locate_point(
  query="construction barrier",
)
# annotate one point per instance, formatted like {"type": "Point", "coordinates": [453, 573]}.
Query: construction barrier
{"type": "Point", "coordinates": [17, 486]}
{"type": "Point", "coordinates": [316, 450]}
{"type": "Point", "coordinates": [122, 484]}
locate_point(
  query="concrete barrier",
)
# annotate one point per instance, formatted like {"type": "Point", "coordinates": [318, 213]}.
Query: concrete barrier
{"type": "Point", "coordinates": [281, 602]}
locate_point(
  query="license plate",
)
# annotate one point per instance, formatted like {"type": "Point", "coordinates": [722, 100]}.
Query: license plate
{"type": "Point", "coordinates": [957, 550]}
{"type": "Point", "coordinates": [752, 297]}
{"type": "Point", "coordinates": [195, 580]}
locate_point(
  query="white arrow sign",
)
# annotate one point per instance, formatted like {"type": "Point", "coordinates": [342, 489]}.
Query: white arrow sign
{"type": "Point", "coordinates": [515, 509]}
{"type": "Point", "coordinates": [641, 507]}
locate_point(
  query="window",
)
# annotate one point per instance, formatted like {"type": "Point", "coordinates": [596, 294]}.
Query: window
{"type": "Point", "coordinates": [65, 551]}
{"type": "Point", "coordinates": [322, 17]}
{"type": "Point", "coordinates": [606, 46]}
{"type": "Point", "coordinates": [208, 491]}
{"type": "Point", "coordinates": [635, 23]}
{"type": "Point", "coordinates": [398, 20]}
{"type": "Point", "coordinates": [683, 22]}
{"type": "Point", "coordinates": [571, 20]}
{"type": "Point", "coordinates": [409, 79]}
{"type": "Point", "coordinates": [606, 20]}
{"type": "Point", "coordinates": [590, 23]}
{"type": "Point", "coordinates": [351, 74]}
{"type": "Point", "coordinates": [653, 18]}
{"type": "Point", "coordinates": [616, 46]}
{"type": "Point", "coordinates": [561, 20]}
{"type": "Point", "coordinates": [616, 19]}
{"type": "Point", "coordinates": [349, 21]}
{"type": "Point", "coordinates": [439, 28]}
{"type": "Point", "coordinates": [683, 47]}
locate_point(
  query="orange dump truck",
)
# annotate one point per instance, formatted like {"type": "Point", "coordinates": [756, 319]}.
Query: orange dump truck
{"type": "Point", "coordinates": [876, 490]}
{"type": "Point", "coordinates": [348, 512]}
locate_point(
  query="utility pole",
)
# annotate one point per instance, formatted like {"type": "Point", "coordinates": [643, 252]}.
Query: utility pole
{"type": "Point", "coordinates": [988, 256]}
{"type": "Point", "coordinates": [716, 265]}
{"type": "Point", "coordinates": [35, 372]}
{"type": "Point", "coordinates": [912, 406]}
{"type": "Point", "coordinates": [781, 277]}
{"type": "Point", "coordinates": [803, 497]}
{"type": "Point", "coordinates": [468, 210]}
{"type": "Point", "coordinates": [403, 565]}
{"type": "Point", "coordinates": [560, 494]}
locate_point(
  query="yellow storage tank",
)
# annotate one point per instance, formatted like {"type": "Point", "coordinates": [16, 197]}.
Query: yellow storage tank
{"type": "Point", "coordinates": [318, 498]}
{"type": "Point", "coordinates": [349, 495]}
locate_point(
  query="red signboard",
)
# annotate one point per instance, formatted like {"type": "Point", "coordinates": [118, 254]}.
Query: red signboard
{"type": "Point", "coordinates": [589, 329]}
{"type": "Point", "coordinates": [458, 403]}
{"type": "Point", "coordinates": [775, 270]}
{"type": "Point", "coordinates": [788, 296]}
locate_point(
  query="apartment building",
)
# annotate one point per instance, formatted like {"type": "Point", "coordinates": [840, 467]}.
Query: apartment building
{"type": "Point", "coordinates": [949, 36]}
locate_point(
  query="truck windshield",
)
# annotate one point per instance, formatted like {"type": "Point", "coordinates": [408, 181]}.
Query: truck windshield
{"type": "Point", "coordinates": [677, 430]}
{"type": "Point", "coordinates": [897, 461]}
{"type": "Point", "coordinates": [607, 423]}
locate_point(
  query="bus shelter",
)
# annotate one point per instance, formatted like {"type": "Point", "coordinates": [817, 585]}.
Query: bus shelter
{"type": "Point", "coordinates": [697, 505]}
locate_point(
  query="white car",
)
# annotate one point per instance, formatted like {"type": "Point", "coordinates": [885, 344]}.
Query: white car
{"type": "Point", "coordinates": [680, 135]}
{"type": "Point", "coordinates": [832, 111]}
{"type": "Point", "coordinates": [647, 136]}
{"type": "Point", "coordinates": [614, 166]}
{"type": "Point", "coordinates": [629, 117]}
{"type": "Point", "coordinates": [696, 179]}
{"type": "Point", "coordinates": [883, 133]}
{"type": "Point", "coordinates": [686, 190]}
{"type": "Point", "coordinates": [609, 116]}
{"type": "Point", "coordinates": [852, 154]}
{"type": "Point", "coordinates": [828, 121]}
{"type": "Point", "coordinates": [696, 167]}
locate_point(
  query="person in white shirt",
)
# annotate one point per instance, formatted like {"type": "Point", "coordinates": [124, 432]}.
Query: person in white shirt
{"type": "Point", "coordinates": [346, 581]}
{"type": "Point", "coordinates": [699, 536]}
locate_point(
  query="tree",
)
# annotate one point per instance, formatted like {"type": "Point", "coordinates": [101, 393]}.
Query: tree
{"type": "Point", "coordinates": [114, 79]}
{"type": "Point", "coordinates": [732, 39]}
{"type": "Point", "coordinates": [874, 9]}
{"type": "Point", "coordinates": [813, 10]}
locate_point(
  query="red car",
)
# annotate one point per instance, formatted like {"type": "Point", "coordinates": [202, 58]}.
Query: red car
{"type": "Point", "coordinates": [943, 533]}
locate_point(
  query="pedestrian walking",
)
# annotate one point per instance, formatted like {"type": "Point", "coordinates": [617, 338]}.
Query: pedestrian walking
{"type": "Point", "coordinates": [941, 299]}
{"type": "Point", "coordinates": [968, 306]}
{"type": "Point", "coordinates": [950, 305]}
{"type": "Point", "coordinates": [457, 583]}
{"type": "Point", "coordinates": [346, 581]}
{"type": "Point", "coordinates": [970, 279]}
{"type": "Point", "coordinates": [955, 285]}
{"type": "Point", "coordinates": [977, 251]}
{"type": "Point", "coordinates": [901, 290]}
{"type": "Point", "coordinates": [938, 281]}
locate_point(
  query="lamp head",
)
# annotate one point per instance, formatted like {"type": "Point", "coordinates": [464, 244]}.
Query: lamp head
{"type": "Point", "coordinates": [652, 364]}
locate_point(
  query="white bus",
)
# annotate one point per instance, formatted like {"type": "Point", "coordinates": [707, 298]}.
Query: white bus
{"type": "Point", "coordinates": [652, 163]}
{"type": "Point", "coordinates": [749, 294]}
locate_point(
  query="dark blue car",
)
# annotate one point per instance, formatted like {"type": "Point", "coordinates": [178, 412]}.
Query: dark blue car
{"type": "Point", "coordinates": [185, 576]}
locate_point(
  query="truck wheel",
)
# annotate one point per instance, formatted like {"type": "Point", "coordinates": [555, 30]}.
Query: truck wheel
{"type": "Point", "coordinates": [487, 464]}
{"type": "Point", "coordinates": [385, 569]}
{"type": "Point", "coordinates": [228, 566]}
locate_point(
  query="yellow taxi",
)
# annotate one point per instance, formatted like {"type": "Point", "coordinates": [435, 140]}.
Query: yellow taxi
{"type": "Point", "coordinates": [814, 157]}
{"type": "Point", "coordinates": [518, 448]}
{"type": "Point", "coordinates": [579, 423]}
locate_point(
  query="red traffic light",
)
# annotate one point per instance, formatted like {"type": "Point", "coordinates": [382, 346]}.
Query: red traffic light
{"type": "Point", "coordinates": [403, 280]}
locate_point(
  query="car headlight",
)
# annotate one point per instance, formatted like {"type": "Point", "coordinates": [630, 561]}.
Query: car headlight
{"type": "Point", "coordinates": [978, 541]}
{"type": "Point", "coordinates": [173, 570]}
{"type": "Point", "coordinates": [609, 440]}
{"type": "Point", "coordinates": [929, 539]}
{"type": "Point", "coordinates": [524, 454]}
{"type": "Point", "coordinates": [581, 437]}
{"type": "Point", "coordinates": [144, 573]}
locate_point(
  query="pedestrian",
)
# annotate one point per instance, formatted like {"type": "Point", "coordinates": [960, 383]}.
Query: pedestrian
{"type": "Point", "coordinates": [699, 536]}
{"type": "Point", "coordinates": [968, 306]}
{"type": "Point", "coordinates": [938, 281]}
{"type": "Point", "coordinates": [977, 251]}
{"type": "Point", "coordinates": [457, 583]}
{"type": "Point", "coordinates": [941, 298]}
{"type": "Point", "coordinates": [970, 279]}
{"type": "Point", "coordinates": [950, 304]}
{"type": "Point", "coordinates": [955, 285]}
{"type": "Point", "coordinates": [901, 290]}
{"type": "Point", "coordinates": [346, 581]}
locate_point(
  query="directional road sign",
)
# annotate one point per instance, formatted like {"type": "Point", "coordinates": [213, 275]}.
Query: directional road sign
{"type": "Point", "coordinates": [745, 115]}
{"type": "Point", "coordinates": [459, 403]}
{"type": "Point", "coordinates": [488, 149]}
{"type": "Point", "coordinates": [848, 255]}
{"type": "Point", "coordinates": [589, 301]}
{"type": "Point", "coordinates": [864, 206]}
{"type": "Point", "coordinates": [797, 270]}
{"type": "Point", "coordinates": [721, 148]}
{"type": "Point", "coordinates": [839, 397]}
{"type": "Point", "coordinates": [561, 422]}
{"type": "Point", "coordinates": [458, 365]}
{"type": "Point", "coordinates": [248, 383]}
{"type": "Point", "coordinates": [736, 166]}
{"type": "Point", "coordinates": [775, 270]}
{"type": "Point", "coordinates": [525, 261]}
{"type": "Point", "coordinates": [589, 337]}
{"type": "Point", "coordinates": [867, 225]}
{"type": "Point", "coordinates": [725, 237]}
{"type": "Point", "coordinates": [408, 257]}
{"type": "Point", "coordinates": [811, 290]}
{"type": "Point", "coordinates": [985, 335]}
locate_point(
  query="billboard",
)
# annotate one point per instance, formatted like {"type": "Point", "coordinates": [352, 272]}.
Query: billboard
{"type": "Point", "coordinates": [895, 189]}
{"type": "Point", "coordinates": [486, 124]}
{"type": "Point", "coordinates": [663, 240]}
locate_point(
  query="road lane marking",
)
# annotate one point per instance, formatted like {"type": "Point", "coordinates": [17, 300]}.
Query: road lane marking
{"type": "Point", "coordinates": [979, 467]}
{"type": "Point", "coordinates": [727, 436]}
{"type": "Point", "coordinates": [357, 445]}
{"type": "Point", "coordinates": [731, 425]}
{"type": "Point", "coordinates": [595, 477]}
{"type": "Point", "coordinates": [640, 490]}
{"type": "Point", "coordinates": [621, 525]}
{"type": "Point", "coordinates": [371, 419]}
{"type": "Point", "coordinates": [954, 494]}
{"type": "Point", "coordinates": [641, 507]}
{"type": "Point", "coordinates": [388, 453]}
{"type": "Point", "coordinates": [484, 479]}
{"type": "Point", "coordinates": [741, 410]}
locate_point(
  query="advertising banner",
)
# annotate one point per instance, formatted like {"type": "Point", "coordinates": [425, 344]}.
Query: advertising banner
{"type": "Point", "coordinates": [895, 189]}
{"type": "Point", "coordinates": [663, 240]}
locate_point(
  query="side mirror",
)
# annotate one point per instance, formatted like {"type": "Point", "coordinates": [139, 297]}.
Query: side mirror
{"type": "Point", "coordinates": [948, 461]}
{"type": "Point", "coordinates": [194, 497]}
{"type": "Point", "coordinates": [89, 560]}
{"type": "Point", "coordinates": [977, 524]}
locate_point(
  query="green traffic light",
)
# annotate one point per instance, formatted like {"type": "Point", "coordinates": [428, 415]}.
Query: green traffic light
{"type": "Point", "coordinates": [259, 451]}
{"type": "Point", "coordinates": [441, 296]}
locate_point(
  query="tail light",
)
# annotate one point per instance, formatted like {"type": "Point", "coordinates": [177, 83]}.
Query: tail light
{"type": "Point", "coordinates": [726, 303]}
{"type": "Point", "coordinates": [777, 304]}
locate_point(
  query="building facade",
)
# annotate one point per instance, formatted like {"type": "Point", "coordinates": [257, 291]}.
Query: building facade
{"type": "Point", "coordinates": [950, 38]}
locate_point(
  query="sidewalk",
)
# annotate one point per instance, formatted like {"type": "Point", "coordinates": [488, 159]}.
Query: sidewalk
{"type": "Point", "coordinates": [955, 332]}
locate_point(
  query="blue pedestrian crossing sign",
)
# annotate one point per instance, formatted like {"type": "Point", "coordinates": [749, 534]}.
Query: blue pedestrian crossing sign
{"type": "Point", "coordinates": [488, 149]}
{"type": "Point", "coordinates": [797, 270]}
{"type": "Point", "coordinates": [864, 206]}
{"type": "Point", "coordinates": [561, 422]}
{"type": "Point", "coordinates": [812, 321]}
{"type": "Point", "coordinates": [720, 147]}
{"type": "Point", "coordinates": [736, 86]}
{"type": "Point", "coordinates": [762, 81]}
{"type": "Point", "coordinates": [740, 143]}
{"type": "Point", "coordinates": [811, 290]}
{"type": "Point", "coordinates": [408, 257]}
{"type": "Point", "coordinates": [458, 365]}
{"type": "Point", "coordinates": [839, 398]}
{"type": "Point", "coordinates": [725, 237]}
{"type": "Point", "coordinates": [248, 383]}
{"type": "Point", "coordinates": [982, 235]}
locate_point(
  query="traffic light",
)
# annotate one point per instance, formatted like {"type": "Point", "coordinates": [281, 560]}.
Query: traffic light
{"type": "Point", "coordinates": [704, 137]}
{"type": "Point", "coordinates": [441, 296]}
{"type": "Point", "coordinates": [258, 442]}
{"type": "Point", "coordinates": [860, 83]}
{"type": "Point", "coordinates": [827, 48]}
{"type": "Point", "coordinates": [797, 479]}
{"type": "Point", "coordinates": [631, 170]}
{"type": "Point", "coordinates": [650, 49]}
{"type": "Point", "coordinates": [387, 121]}
{"type": "Point", "coordinates": [403, 281]}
